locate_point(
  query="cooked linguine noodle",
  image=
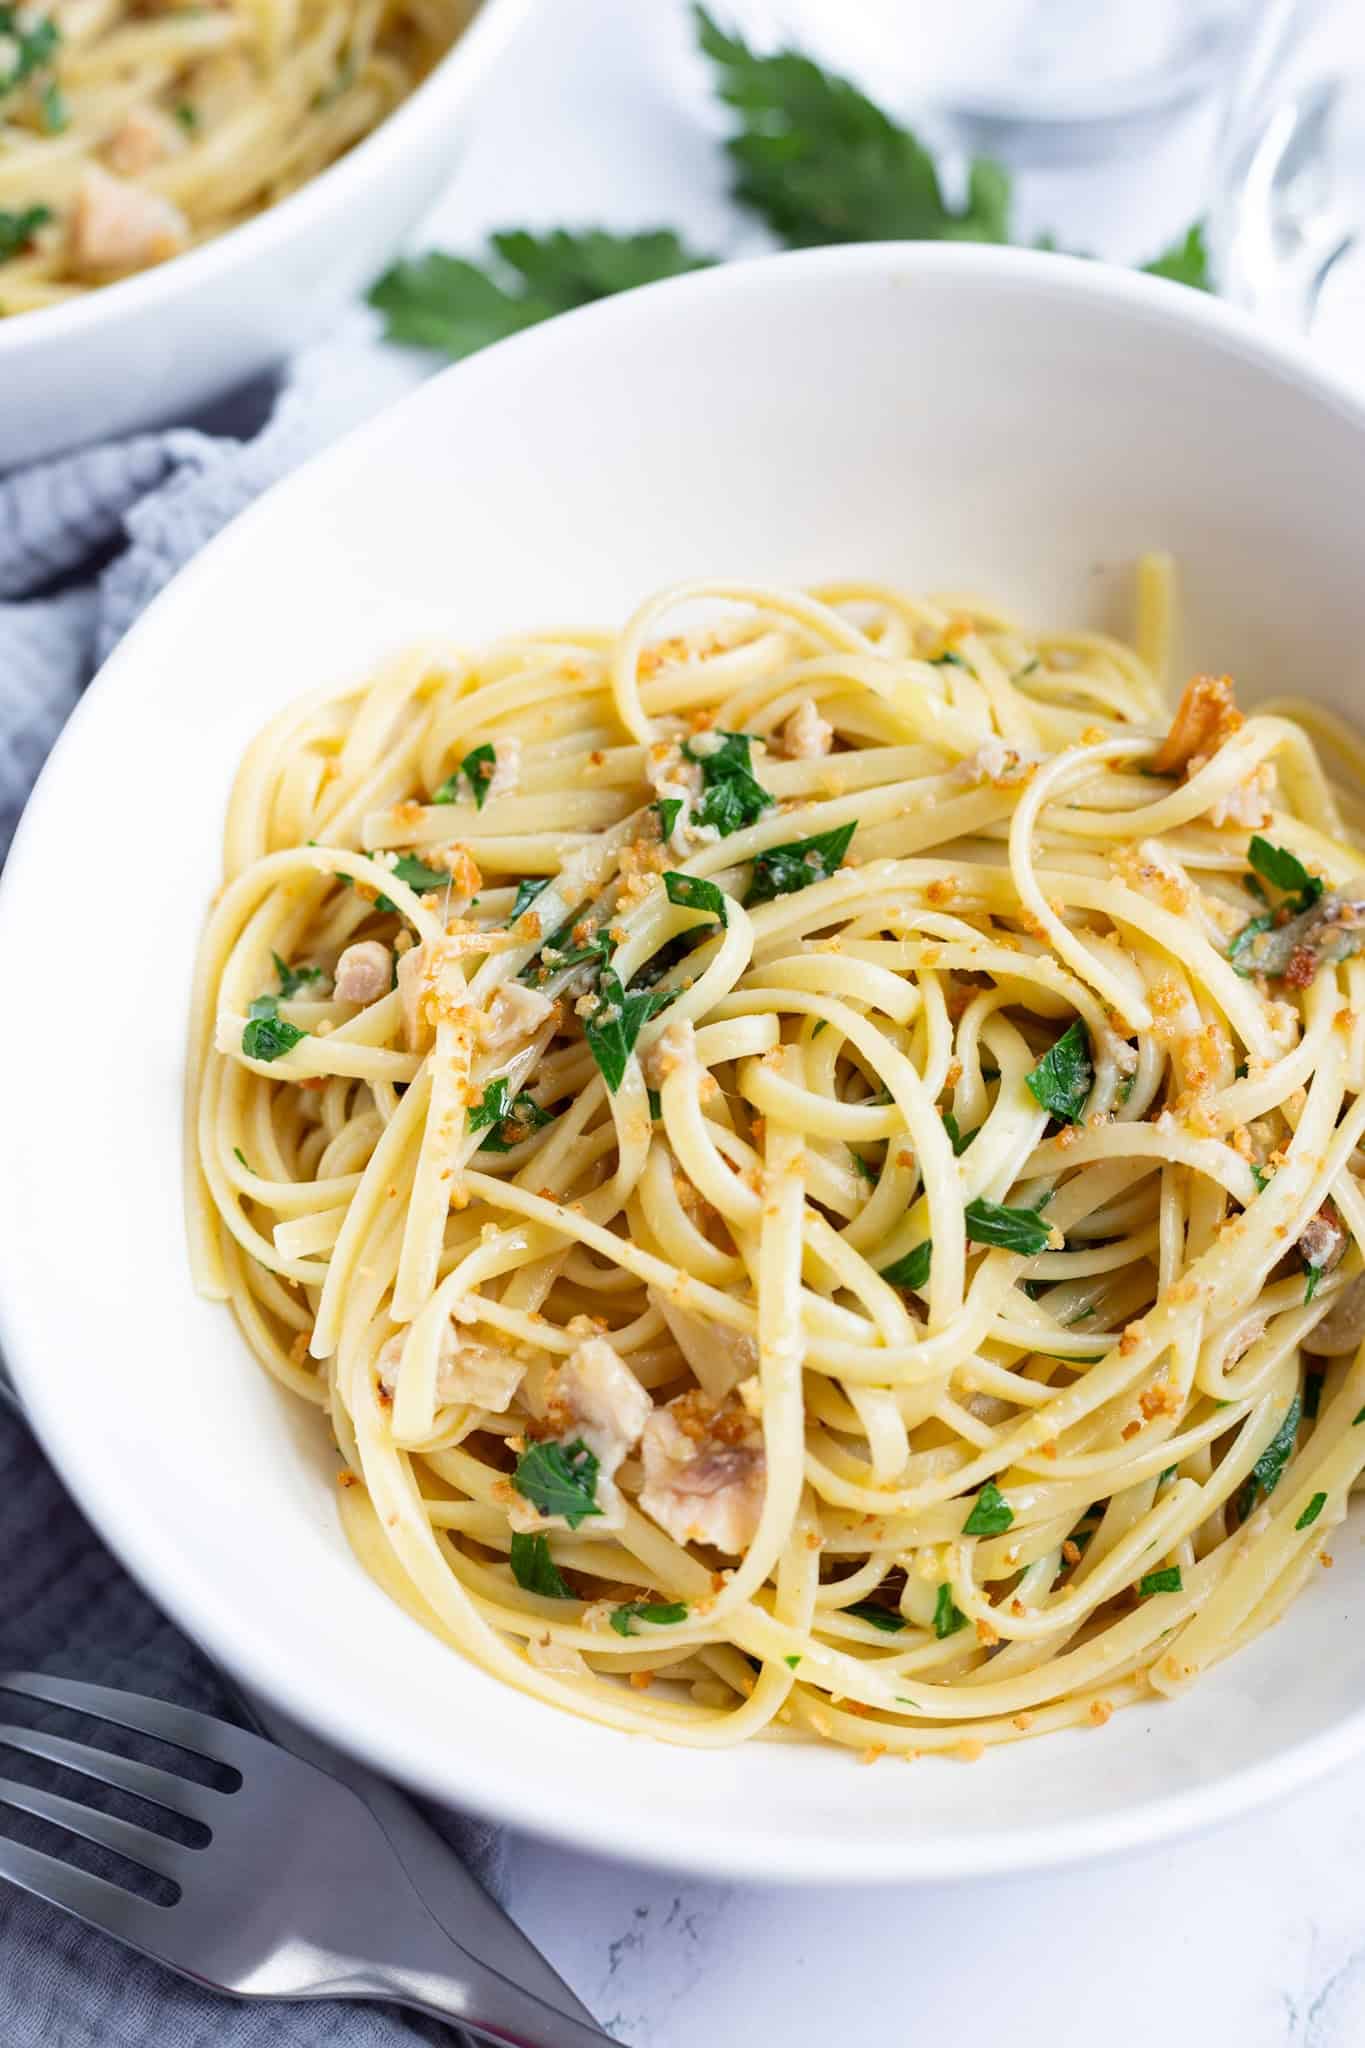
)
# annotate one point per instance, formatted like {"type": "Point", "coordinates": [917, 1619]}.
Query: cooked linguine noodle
{"type": "Point", "coordinates": [130, 132]}
{"type": "Point", "coordinates": [809, 1159]}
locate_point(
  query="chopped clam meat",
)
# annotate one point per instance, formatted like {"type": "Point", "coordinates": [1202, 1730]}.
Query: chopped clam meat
{"type": "Point", "coordinates": [1342, 1329]}
{"type": "Point", "coordinates": [514, 1014]}
{"type": "Point", "coordinates": [144, 137]}
{"type": "Point", "coordinates": [720, 1357]}
{"type": "Point", "coordinates": [561, 1659]}
{"type": "Point", "coordinates": [468, 1373]}
{"type": "Point", "coordinates": [597, 1397]}
{"type": "Point", "coordinates": [594, 1399]}
{"type": "Point", "coordinates": [806, 734]}
{"type": "Point", "coordinates": [506, 769]}
{"type": "Point", "coordinates": [705, 1473]}
{"type": "Point", "coordinates": [364, 972]}
{"type": "Point", "coordinates": [117, 226]}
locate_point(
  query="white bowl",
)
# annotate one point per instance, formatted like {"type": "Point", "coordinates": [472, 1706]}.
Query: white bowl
{"type": "Point", "coordinates": [161, 345]}
{"type": "Point", "coordinates": [1023, 425]}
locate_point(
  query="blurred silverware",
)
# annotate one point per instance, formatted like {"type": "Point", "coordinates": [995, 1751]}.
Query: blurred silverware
{"type": "Point", "coordinates": [295, 1891]}
{"type": "Point", "coordinates": [1278, 225]}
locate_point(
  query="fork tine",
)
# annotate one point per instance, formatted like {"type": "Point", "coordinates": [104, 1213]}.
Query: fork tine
{"type": "Point", "coordinates": [199, 1802]}
{"type": "Point", "coordinates": [183, 1726]}
{"type": "Point", "coordinates": [91, 1899]}
{"type": "Point", "coordinates": [139, 1845]}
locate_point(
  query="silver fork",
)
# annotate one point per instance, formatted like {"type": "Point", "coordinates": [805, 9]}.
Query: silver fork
{"type": "Point", "coordinates": [296, 1892]}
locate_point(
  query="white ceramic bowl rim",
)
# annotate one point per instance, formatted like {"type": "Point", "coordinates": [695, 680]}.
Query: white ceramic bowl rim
{"type": "Point", "coordinates": [342, 182]}
{"type": "Point", "coordinates": [231, 1634]}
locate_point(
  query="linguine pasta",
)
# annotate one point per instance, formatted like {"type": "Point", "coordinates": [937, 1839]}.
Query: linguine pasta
{"type": "Point", "coordinates": [131, 132]}
{"type": "Point", "coordinates": [807, 1150]}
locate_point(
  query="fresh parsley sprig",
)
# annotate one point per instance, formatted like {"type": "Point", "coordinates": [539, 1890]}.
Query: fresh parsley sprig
{"type": "Point", "coordinates": [690, 892]}
{"type": "Point", "coordinates": [913, 1270]}
{"type": "Point", "coordinates": [1016, 1230]}
{"type": "Point", "coordinates": [1062, 1080]}
{"type": "Point", "coordinates": [292, 979]}
{"type": "Point", "coordinates": [732, 795]}
{"type": "Point", "coordinates": [659, 1613]}
{"type": "Point", "coordinates": [18, 229]}
{"type": "Point", "coordinates": [991, 1513]}
{"type": "Point", "coordinates": [813, 157]}
{"type": "Point", "coordinates": [559, 1479]}
{"type": "Point", "coordinates": [613, 1027]}
{"type": "Point", "coordinates": [267, 1035]}
{"type": "Point", "coordinates": [885, 1618]}
{"type": "Point", "coordinates": [443, 302]}
{"type": "Point", "coordinates": [1266, 1473]}
{"type": "Point", "coordinates": [535, 1571]}
{"type": "Point", "coordinates": [477, 769]}
{"type": "Point", "coordinates": [783, 869]}
{"type": "Point", "coordinates": [820, 162]}
{"type": "Point", "coordinates": [508, 1118]}
{"type": "Point", "coordinates": [28, 43]}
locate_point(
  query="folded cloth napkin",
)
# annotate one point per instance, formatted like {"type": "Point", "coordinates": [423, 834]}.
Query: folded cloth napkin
{"type": "Point", "coordinates": [85, 543]}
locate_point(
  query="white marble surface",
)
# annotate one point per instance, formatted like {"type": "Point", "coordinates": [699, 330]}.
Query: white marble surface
{"type": "Point", "coordinates": [1254, 1936]}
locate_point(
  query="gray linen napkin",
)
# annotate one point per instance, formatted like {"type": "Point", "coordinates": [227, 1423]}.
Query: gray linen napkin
{"type": "Point", "coordinates": [85, 543]}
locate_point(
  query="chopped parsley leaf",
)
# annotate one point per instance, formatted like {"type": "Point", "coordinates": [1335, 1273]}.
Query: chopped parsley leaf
{"type": "Point", "coordinates": [689, 892]}
{"type": "Point", "coordinates": [52, 109]}
{"type": "Point", "coordinates": [862, 1168]}
{"type": "Point", "coordinates": [1062, 1080]}
{"type": "Point", "coordinates": [1264, 1475]}
{"type": "Point", "coordinates": [1312, 1395]}
{"type": "Point", "coordinates": [951, 657]}
{"type": "Point", "coordinates": [187, 116]}
{"type": "Point", "coordinates": [292, 979]}
{"type": "Point", "coordinates": [1242, 941]}
{"type": "Point", "coordinates": [1261, 1178]}
{"type": "Point", "coordinates": [18, 229]}
{"type": "Point", "coordinates": [784, 869]}
{"type": "Point", "coordinates": [732, 796]}
{"type": "Point", "coordinates": [1167, 1581]}
{"type": "Point", "coordinates": [885, 1618]}
{"type": "Point", "coordinates": [527, 890]}
{"type": "Point", "coordinates": [991, 1513]}
{"type": "Point", "coordinates": [662, 1614]}
{"type": "Point", "coordinates": [268, 1035]}
{"type": "Point", "coordinates": [1312, 1511]}
{"type": "Point", "coordinates": [559, 1479]}
{"type": "Point", "coordinates": [495, 1107]}
{"type": "Point", "coordinates": [614, 1026]}
{"type": "Point", "coordinates": [1284, 870]}
{"type": "Point", "coordinates": [1017, 1230]}
{"type": "Point", "coordinates": [521, 1118]}
{"type": "Point", "coordinates": [1310, 1286]}
{"type": "Point", "coordinates": [792, 1662]}
{"type": "Point", "coordinates": [913, 1270]}
{"type": "Point", "coordinates": [668, 808]}
{"type": "Point", "coordinates": [534, 1570]}
{"type": "Point", "coordinates": [240, 1156]}
{"type": "Point", "coordinates": [656, 1104]}
{"type": "Point", "coordinates": [948, 1616]}
{"type": "Point", "coordinates": [443, 302]}
{"type": "Point", "coordinates": [956, 1139]}
{"type": "Point", "coordinates": [407, 868]}
{"type": "Point", "coordinates": [478, 769]}
{"type": "Point", "coordinates": [28, 43]}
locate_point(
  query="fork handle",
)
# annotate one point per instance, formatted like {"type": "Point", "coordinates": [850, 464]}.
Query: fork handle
{"type": "Point", "coordinates": [487, 2006]}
